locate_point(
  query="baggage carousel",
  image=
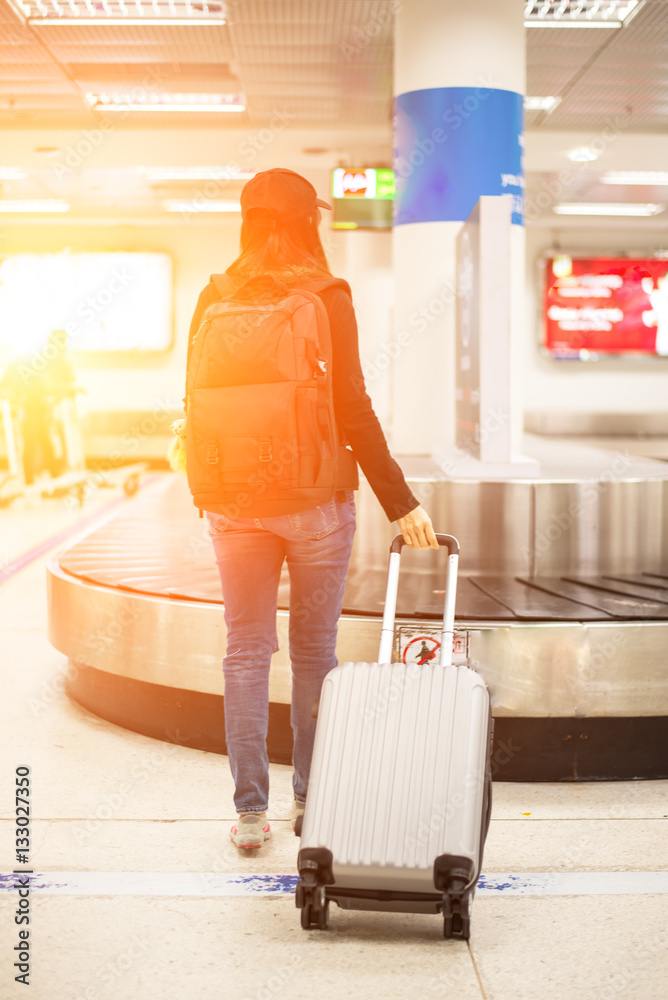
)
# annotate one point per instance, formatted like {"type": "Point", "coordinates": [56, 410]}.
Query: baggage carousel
{"type": "Point", "coordinates": [562, 606]}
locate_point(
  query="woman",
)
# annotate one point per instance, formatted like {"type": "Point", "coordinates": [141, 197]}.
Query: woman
{"type": "Point", "coordinates": [279, 239]}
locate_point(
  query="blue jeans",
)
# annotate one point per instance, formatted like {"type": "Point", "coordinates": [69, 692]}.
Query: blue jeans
{"type": "Point", "coordinates": [249, 552]}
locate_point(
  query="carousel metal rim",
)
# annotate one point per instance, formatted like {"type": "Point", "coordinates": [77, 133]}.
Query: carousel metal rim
{"type": "Point", "coordinates": [532, 669]}
{"type": "Point", "coordinates": [522, 481]}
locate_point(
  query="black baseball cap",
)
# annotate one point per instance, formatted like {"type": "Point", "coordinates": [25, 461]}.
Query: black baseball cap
{"type": "Point", "coordinates": [281, 194]}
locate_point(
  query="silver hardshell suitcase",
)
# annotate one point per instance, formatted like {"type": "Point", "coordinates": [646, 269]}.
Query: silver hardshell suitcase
{"type": "Point", "coordinates": [399, 798]}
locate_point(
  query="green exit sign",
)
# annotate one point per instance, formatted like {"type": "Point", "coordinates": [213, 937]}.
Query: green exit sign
{"type": "Point", "coordinates": [385, 184]}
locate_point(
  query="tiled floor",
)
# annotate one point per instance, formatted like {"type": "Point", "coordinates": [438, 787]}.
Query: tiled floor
{"type": "Point", "coordinates": [105, 800]}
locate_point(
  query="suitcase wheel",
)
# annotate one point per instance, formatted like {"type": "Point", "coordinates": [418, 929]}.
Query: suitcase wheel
{"type": "Point", "coordinates": [314, 907]}
{"type": "Point", "coordinates": [456, 917]}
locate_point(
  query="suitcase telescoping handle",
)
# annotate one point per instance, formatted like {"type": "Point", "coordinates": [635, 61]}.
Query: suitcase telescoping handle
{"type": "Point", "coordinates": [447, 631]}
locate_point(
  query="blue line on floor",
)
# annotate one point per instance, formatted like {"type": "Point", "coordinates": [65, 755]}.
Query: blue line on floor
{"type": "Point", "coordinates": [239, 884]}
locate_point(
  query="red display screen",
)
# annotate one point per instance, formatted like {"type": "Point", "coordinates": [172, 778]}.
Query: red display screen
{"type": "Point", "coordinates": [597, 307]}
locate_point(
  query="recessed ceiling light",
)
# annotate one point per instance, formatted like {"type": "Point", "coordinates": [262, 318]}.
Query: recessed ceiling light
{"type": "Point", "coordinates": [12, 174]}
{"type": "Point", "coordinates": [658, 177]}
{"type": "Point", "coordinates": [583, 154]}
{"type": "Point", "coordinates": [195, 173]}
{"type": "Point", "coordinates": [150, 102]}
{"type": "Point", "coordinates": [608, 208]}
{"type": "Point", "coordinates": [35, 205]}
{"type": "Point", "coordinates": [201, 205]}
{"type": "Point", "coordinates": [580, 13]}
{"type": "Point", "coordinates": [541, 103]}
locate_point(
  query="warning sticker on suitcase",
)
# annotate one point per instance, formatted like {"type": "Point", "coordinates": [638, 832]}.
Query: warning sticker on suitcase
{"type": "Point", "coordinates": [422, 645]}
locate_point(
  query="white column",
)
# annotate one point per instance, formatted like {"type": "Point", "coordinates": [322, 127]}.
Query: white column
{"type": "Point", "coordinates": [442, 44]}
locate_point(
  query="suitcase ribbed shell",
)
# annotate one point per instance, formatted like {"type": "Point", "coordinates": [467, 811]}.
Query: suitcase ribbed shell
{"type": "Point", "coordinates": [398, 772]}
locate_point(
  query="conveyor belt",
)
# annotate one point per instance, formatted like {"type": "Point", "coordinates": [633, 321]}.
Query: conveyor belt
{"type": "Point", "coordinates": [624, 608]}
{"type": "Point", "coordinates": [472, 603]}
{"type": "Point", "coordinates": [161, 548]}
{"type": "Point", "coordinates": [160, 560]}
{"type": "Point", "coordinates": [623, 589]}
{"type": "Point", "coordinates": [653, 587]}
{"type": "Point", "coordinates": [529, 604]}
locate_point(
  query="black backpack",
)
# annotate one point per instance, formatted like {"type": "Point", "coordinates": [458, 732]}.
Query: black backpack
{"type": "Point", "coordinates": [261, 435]}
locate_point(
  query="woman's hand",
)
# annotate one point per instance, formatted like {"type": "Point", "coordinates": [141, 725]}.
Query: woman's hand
{"type": "Point", "coordinates": [417, 529]}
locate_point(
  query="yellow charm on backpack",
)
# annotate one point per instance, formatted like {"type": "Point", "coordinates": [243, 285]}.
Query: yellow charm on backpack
{"type": "Point", "coordinates": [176, 453]}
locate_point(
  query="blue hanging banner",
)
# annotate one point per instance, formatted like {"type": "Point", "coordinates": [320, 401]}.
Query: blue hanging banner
{"type": "Point", "coordinates": [452, 145]}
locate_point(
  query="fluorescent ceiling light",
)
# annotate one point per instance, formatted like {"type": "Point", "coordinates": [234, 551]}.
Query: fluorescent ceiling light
{"type": "Point", "coordinates": [580, 13]}
{"type": "Point", "coordinates": [147, 101]}
{"type": "Point", "coordinates": [605, 208]}
{"type": "Point", "coordinates": [52, 13]}
{"type": "Point", "coordinates": [201, 205]}
{"type": "Point", "coordinates": [56, 22]}
{"type": "Point", "coordinates": [174, 108]}
{"type": "Point", "coordinates": [195, 173]}
{"type": "Point", "coordinates": [35, 205]}
{"type": "Point", "coordinates": [572, 24]}
{"type": "Point", "coordinates": [583, 154]}
{"type": "Point", "coordinates": [658, 177]}
{"type": "Point", "coordinates": [12, 174]}
{"type": "Point", "coordinates": [540, 103]}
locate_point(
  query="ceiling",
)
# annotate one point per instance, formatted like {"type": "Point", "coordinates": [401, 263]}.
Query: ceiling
{"type": "Point", "coordinates": [327, 65]}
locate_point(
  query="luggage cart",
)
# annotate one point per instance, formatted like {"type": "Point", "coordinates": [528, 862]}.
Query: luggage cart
{"type": "Point", "coordinates": [68, 442]}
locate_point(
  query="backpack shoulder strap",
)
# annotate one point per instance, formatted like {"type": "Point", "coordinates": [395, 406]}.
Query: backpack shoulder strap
{"type": "Point", "coordinates": [224, 285]}
{"type": "Point", "coordinates": [226, 288]}
{"type": "Point", "coordinates": [323, 284]}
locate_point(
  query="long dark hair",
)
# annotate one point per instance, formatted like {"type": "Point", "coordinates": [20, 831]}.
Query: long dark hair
{"type": "Point", "coordinates": [291, 252]}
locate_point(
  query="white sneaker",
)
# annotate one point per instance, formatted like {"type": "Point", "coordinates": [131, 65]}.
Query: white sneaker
{"type": "Point", "coordinates": [250, 831]}
{"type": "Point", "coordinates": [296, 811]}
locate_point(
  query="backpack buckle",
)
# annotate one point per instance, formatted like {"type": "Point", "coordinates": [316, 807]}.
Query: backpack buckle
{"type": "Point", "coordinates": [212, 453]}
{"type": "Point", "coordinates": [265, 451]}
